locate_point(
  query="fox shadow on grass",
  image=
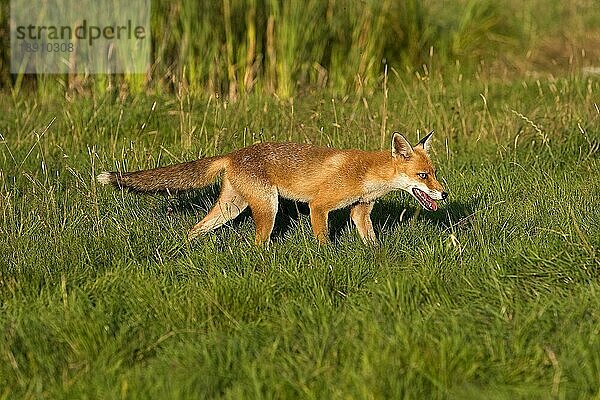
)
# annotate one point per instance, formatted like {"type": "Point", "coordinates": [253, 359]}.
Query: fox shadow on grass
{"type": "Point", "coordinates": [451, 213]}
{"type": "Point", "coordinates": [390, 214]}
{"type": "Point", "coordinates": [386, 213]}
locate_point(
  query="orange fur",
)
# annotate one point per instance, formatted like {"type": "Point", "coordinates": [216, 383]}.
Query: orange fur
{"type": "Point", "coordinates": [327, 179]}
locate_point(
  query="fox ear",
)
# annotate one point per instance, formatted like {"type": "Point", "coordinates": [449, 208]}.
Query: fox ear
{"type": "Point", "coordinates": [424, 143]}
{"type": "Point", "coordinates": [401, 146]}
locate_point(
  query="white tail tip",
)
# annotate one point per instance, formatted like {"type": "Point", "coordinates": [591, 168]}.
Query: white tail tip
{"type": "Point", "coordinates": [104, 178]}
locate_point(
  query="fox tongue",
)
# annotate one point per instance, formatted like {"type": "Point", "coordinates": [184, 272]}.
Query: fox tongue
{"type": "Point", "coordinates": [427, 202]}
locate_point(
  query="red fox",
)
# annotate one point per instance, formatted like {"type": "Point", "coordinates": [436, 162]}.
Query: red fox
{"type": "Point", "coordinates": [326, 178]}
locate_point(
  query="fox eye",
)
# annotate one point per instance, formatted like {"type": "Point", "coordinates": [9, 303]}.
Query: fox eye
{"type": "Point", "coordinates": [422, 175]}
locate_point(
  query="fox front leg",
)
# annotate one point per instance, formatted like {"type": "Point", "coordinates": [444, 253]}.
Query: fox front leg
{"type": "Point", "coordinates": [361, 216]}
{"type": "Point", "coordinates": [318, 220]}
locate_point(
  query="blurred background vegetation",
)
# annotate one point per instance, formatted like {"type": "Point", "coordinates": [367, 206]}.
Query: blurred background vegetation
{"type": "Point", "coordinates": [231, 48]}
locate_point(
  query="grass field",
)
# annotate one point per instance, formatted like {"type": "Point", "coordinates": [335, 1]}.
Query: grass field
{"type": "Point", "coordinates": [496, 295]}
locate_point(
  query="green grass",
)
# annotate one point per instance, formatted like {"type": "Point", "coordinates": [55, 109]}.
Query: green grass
{"type": "Point", "coordinates": [279, 47]}
{"type": "Point", "coordinates": [497, 295]}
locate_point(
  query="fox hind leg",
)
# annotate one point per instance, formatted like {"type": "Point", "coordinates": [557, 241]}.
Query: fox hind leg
{"type": "Point", "coordinates": [264, 210]}
{"type": "Point", "coordinates": [229, 205]}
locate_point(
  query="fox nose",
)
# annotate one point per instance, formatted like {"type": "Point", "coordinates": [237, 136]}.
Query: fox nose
{"type": "Point", "coordinates": [444, 195]}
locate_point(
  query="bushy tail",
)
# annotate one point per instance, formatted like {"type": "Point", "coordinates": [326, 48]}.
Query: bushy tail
{"type": "Point", "coordinates": [173, 178]}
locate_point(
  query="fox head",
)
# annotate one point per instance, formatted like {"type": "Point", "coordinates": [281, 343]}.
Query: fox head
{"type": "Point", "coordinates": [415, 172]}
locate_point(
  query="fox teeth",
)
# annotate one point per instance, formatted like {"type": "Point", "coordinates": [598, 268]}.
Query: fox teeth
{"type": "Point", "coordinates": [427, 202]}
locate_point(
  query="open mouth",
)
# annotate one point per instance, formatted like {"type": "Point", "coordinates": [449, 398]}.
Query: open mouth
{"type": "Point", "coordinates": [427, 202]}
